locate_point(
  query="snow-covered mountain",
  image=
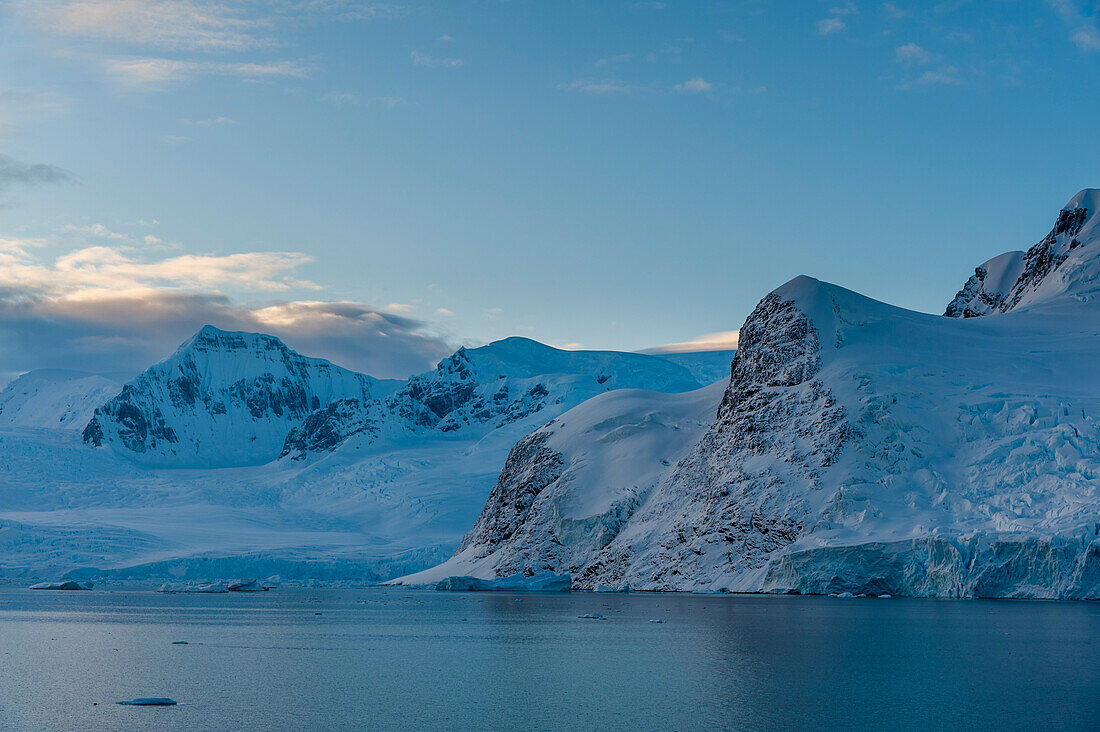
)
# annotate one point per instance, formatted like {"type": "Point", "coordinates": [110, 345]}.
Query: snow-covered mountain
{"type": "Point", "coordinates": [239, 456]}
{"type": "Point", "coordinates": [221, 399]}
{"type": "Point", "coordinates": [55, 398]}
{"type": "Point", "coordinates": [857, 447]}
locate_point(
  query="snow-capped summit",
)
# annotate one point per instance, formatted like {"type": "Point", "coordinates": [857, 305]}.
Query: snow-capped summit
{"type": "Point", "coordinates": [223, 398]}
{"type": "Point", "coordinates": [1065, 262]}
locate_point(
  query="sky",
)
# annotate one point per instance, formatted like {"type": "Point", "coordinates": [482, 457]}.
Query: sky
{"type": "Point", "coordinates": [380, 183]}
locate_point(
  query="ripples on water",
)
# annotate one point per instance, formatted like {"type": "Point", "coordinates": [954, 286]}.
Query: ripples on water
{"type": "Point", "coordinates": [296, 659]}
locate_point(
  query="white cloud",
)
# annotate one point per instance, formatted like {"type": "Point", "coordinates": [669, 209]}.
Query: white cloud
{"type": "Point", "coordinates": [829, 26]}
{"type": "Point", "coordinates": [97, 230]}
{"type": "Point", "coordinates": [156, 73]}
{"type": "Point", "coordinates": [596, 87]}
{"type": "Point", "coordinates": [621, 58]}
{"type": "Point", "coordinates": [422, 59]}
{"type": "Point", "coordinates": [89, 272]}
{"type": "Point", "coordinates": [152, 240]}
{"type": "Point", "coordinates": [215, 122]}
{"type": "Point", "coordinates": [848, 8]}
{"type": "Point", "coordinates": [893, 11]}
{"type": "Point", "coordinates": [444, 312]}
{"type": "Point", "coordinates": [1087, 38]}
{"type": "Point", "coordinates": [695, 86]}
{"type": "Point", "coordinates": [945, 76]}
{"type": "Point", "coordinates": [725, 340]}
{"type": "Point", "coordinates": [912, 54]}
{"type": "Point", "coordinates": [201, 25]}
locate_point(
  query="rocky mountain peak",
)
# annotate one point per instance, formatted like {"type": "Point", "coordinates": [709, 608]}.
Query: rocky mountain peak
{"type": "Point", "coordinates": [1065, 262]}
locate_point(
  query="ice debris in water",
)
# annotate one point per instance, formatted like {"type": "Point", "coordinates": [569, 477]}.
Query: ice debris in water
{"type": "Point", "coordinates": [149, 701]}
{"type": "Point", "coordinates": [235, 585]}
{"type": "Point", "coordinates": [592, 616]}
{"type": "Point", "coordinates": [540, 582]}
{"type": "Point", "coordinates": [66, 585]}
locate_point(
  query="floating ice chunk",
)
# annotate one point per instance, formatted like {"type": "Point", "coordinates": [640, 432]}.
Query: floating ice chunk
{"type": "Point", "coordinates": [194, 588]}
{"type": "Point", "coordinates": [244, 585]}
{"type": "Point", "coordinates": [541, 582]}
{"type": "Point", "coordinates": [149, 701]}
{"type": "Point", "coordinates": [179, 643]}
{"type": "Point", "coordinates": [66, 585]}
{"type": "Point", "coordinates": [592, 616]}
{"type": "Point", "coordinates": [656, 620]}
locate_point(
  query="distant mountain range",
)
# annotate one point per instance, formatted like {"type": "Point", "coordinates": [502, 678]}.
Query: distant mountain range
{"type": "Point", "coordinates": [237, 455]}
{"type": "Point", "coordinates": [847, 447]}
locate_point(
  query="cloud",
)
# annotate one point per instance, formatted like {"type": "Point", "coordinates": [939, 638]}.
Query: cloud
{"type": "Point", "coordinates": [196, 25]}
{"type": "Point", "coordinates": [215, 122]}
{"type": "Point", "coordinates": [156, 73]}
{"type": "Point", "coordinates": [893, 11]}
{"type": "Point", "coordinates": [694, 86]}
{"type": "Point", "coordinates": [87, 272]}
{"type": "Point", "coordinates": [1082, 17]}
{"type": "Point", "coordinates": [342, 99]}
{"type": "Point", "coordinates": [848, 8]}
{"type": "Point", "coordinates": [444, 312]}
{"type": "Point", "coordinates": [129, 332]}
{"type": "Point", "coordinates": [945, 76]}
{"type": "Point", "coordinates": [1087, 38]}
{"type": "Point", "coordinates": [911, 54]}
{"type": "Point", "coordinates": [829, 26]}
{"type": "Point", "coordinates": [16, 173]}
{"type": "Point", "coordinates": [621, 58]}
{"type": "Point", "coordinates": [97, 230]}
{"type": "Point", "coordinates": [105, 308]}
{"type": "Point", "coordinates": [725, 340]}
{"type": "Point", "coordinates": [596, 87]}
{"type": "Point", "coordinates": [421, 59]}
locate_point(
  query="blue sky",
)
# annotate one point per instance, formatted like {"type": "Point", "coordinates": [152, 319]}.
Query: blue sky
{"type": "Point", "coordinates": [380, 182]}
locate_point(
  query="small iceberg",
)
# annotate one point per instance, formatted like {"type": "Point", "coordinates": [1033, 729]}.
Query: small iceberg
{"type": "Point", "coordinates": [592, 616]}
{"type": "Point", "coordinates": [235, 585]}
{"type": "Point", "coordinates": [541, 582]}
{"type": "Point", "coordinates": [149, 701]}
{"type": "Point", "coordinates": [66, 585]}
{"type": "Point", "coordinates": [656, 620]}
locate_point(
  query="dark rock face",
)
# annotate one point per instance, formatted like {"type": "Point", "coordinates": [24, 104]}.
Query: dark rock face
{"type": "Point", "coordinates": [975, 299]}
{"type": "Point", "coordinates": [530, 468]}
{"type": "Point", "coordinates": [978, 297]}
{"type": "Point", "coordinates": [721, 499]}
{"type": "Point", "coordinates": [456, 395]}
{"type": "Point", "coordinates": [327, 428]}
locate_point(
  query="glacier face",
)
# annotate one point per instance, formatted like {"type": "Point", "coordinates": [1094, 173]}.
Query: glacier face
{"type": "Point", "coordinates": [858, 447]}
{"type": "Point", "coordinates": [237, 456]}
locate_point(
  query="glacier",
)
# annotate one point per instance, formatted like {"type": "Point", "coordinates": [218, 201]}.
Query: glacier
{"type": "Point", "coordinates": [857, 448]}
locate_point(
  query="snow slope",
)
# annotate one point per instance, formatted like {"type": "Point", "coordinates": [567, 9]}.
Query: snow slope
{"type": "Point", "coordinates": [380, 479]}
{"type": "Point", "coordinates": [857, 447]}
{"type": "Point", "coordinates": [55, 398]}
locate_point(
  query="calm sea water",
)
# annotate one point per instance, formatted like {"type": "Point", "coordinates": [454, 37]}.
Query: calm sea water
{"type": "Point", "coordinates": [295, 659]}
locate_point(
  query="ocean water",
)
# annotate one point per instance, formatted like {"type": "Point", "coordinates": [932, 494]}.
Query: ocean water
{"type": "Point", "coordinates": [314, 659]}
